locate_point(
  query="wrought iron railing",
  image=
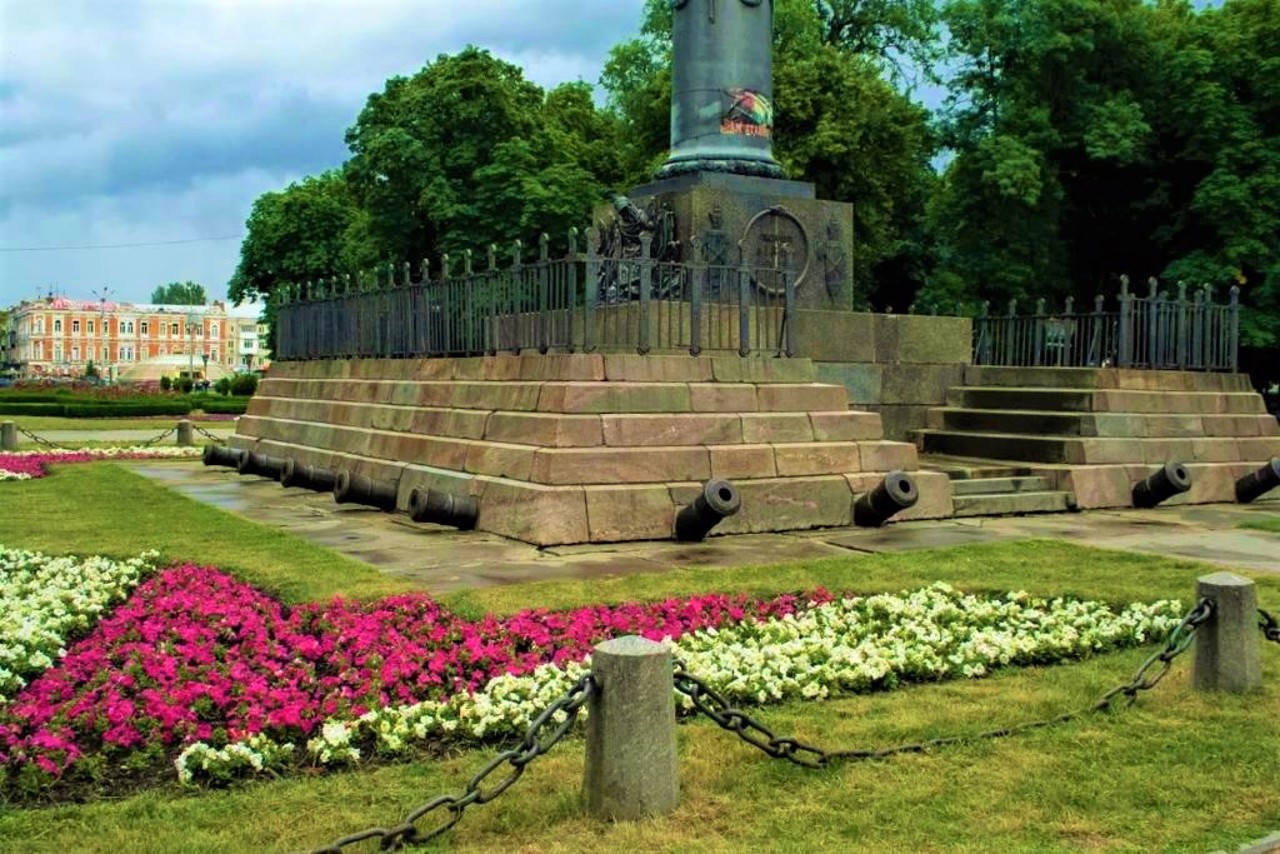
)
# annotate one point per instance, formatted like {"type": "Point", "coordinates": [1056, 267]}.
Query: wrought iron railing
{"type": "Point", "coordinates": [626, 299]}
{"type": "Point", "coordinates": [1156, 332]}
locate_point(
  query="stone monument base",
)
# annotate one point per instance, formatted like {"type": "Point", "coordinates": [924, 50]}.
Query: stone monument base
{"type": "Point", "coordinates": [575, 448]}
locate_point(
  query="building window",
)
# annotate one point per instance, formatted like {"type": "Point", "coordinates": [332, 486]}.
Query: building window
{"type": "Point", "coordinates": [126, 327]}
{"type": "Point", "coordinates": [57, 352]}
{"type": "Point", "coordinates": [90, 327]}
{"type": "Point", "coordinates": [75, 327]}
{"type": "Point", "coordinates": [145, 327]}
{"type": "Point", "coordinates": [39, 325]}
{"type": "Point", "coordinates": [39, 351]}
{"type": "Point", "coordinates": [213, 330]}
{"type": "Point", "coordinates": [173, 330]}
{"type": "Point", "coordinates": [75, 354]}
{"type": "Point", "coordinates": [57, 324]}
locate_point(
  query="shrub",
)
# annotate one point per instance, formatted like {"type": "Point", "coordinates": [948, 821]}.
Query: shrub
{"type": "Point", "coordinates": [165, 383]}
{"type": "Point", "coordinates": [184, 385]}
{"type": "Point", "coordinates": [223, 386]}
{"type": "Point", "coordinates": [244, 385]}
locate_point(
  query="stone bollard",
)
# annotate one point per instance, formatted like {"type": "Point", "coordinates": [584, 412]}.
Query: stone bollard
{"type": "Point", "coordinates": [8, 436]}
{"type": "Point", "coordinates": [631, 732]}
{"type": "Point", "coordinates": [186, 434]}
{"type": "Point", "coordinates": [1227, 654]}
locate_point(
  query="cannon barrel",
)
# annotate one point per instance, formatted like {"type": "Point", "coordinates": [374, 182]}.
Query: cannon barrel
{"type": "Point", "coordinates": [444, 508]}
{"type": "Point", "coordinates": [361, 489]}
{"type": "Point", "coordinates": [263, 465]}
{"type": "Point", "coordinates": [302, 476]}
{"type": "Point", "coordinates": [1169, 480]}
{"type": "Point", "coordinates": [718, 500]}
{"type": "Point", "coordinates": [1258, 483]}
{"type": "Point", "coordinates": [897, 492]}
{"type": "Point", "coordinates": [222, 455]}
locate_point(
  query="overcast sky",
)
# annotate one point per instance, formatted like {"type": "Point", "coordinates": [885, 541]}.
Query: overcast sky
{"type": "Point", "coordinates": [143, 122]}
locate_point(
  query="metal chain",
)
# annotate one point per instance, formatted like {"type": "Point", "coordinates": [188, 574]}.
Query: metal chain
{"type": "Point", "coordinates": [40, 440]}
{"type": "Point", "coordinates": [710, 703]}
{"type": "Point", "coordinates": [1269, 625]}
{"type": "Point", "coordinates": [159, 438]}
{"type": "Point", "coordinates": [203, 432]}
{"type": "Point", "coordinates": [531, 747]}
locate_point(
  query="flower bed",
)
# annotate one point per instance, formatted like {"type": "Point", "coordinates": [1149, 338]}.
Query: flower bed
{"type": "Point", "coordinates": [198, 662]}
{"type": "Point", "coordinates": [45, 600]}
{"type": "Point", "coordinates": [26, 465]}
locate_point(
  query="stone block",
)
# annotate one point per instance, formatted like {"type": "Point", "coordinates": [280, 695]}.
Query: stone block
{"type": "Point", "coordinates": [762, 369]}
{"type": "Point", "coordinates": [500, 460]}
{"type": "Point", "coordinates": [742, 461]}
{"type": "Point", "coordinates": [509, 396]}
{"type": "Point", "coordinates": [898, 422]}
{"type": "Point", "coordinates": [564, 367]}
{"type": "Point", "coordinates": [1207, 451]}
{"type": "Point", "coordinates": [812, 458]}
{"type": "Point", "coordinates": [1258, 450]}
{"type": "Point", "coordinates": [545, 429]}
{"type": "Point", "coordinates": [1101, 451]}
{"type": "Point", "coordinates": [862, 382]}
{"type": "Point", "coordinates": [848, 426]}
{"type": "Point", "coordinates": [1268, 425]}
{"type": "Point", "coordinates": [783, 504]}
{"type": "Point", "coordinates": [541, 515]}
{"type": "Point", "coordinates": [430, 369]}
{"type": "Point", "coordinates": [426, 477]}
{"type": "Point", "coordinates": [830, 336]}
{"type": "Point", "coordinates": [622, 513]}
{"type": "Point", "coordinates": [574, 397]}
{"type": "Point", "coordinates": [885, 332]}
{"type": "Point", "coordinates": [767, 427]}
{"type": "Point", "coordinates": [634, 368]}
{"type": "Point", "coordinates": [887, 456]}
{"type": "Point", "coordinates": [674, 429]}
{"type": "Point", "coordinates": [923, 339]}
{"type": "Point", "coordinates": [936, 498]}
{"type": "Point", "coordinates": [722, 397]}
{"type": "Point", "coordinates": [1100, 486]}
{"type": "Point", "coordinates": [919, 384]}
{"type": "Point", "coordinates": [801, 397]}
{"type": "Point", "coordinates": [620, 465]}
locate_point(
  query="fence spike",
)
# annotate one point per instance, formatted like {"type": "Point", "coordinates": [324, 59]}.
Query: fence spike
{"type": "Point", "coordinates": [1040, 306]}
{"type": "Point", "coordinates": [1208, 293]}
{"type": "Point", "coordinates": [573, 240]}
{"type": "Point", "coordinates": [544, 247]}
{"type": "Point", "coordinates": [1182, 291]}
{"type": "Point", "coordinates": [1124, 283]}
{"type": "Point", "coordinates": [1153, 286]}
{"type": "Point", "coordinates": [346, 283]}
{"type": "Point", "coordinates": [1013, 307]}
{"type": "Point", "coordinates": [466, 262]}
{"type": "Point", "coordinates": [491, 256]}
{"type": "Point", "coordinates": [1069, 307]}
{"type": "Point", "coordinates": [444, 266]}
{"type": "Point", "coordinates": [517, 249]}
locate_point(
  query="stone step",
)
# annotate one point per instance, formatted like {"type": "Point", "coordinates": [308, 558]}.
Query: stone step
{"type": "Point", "coordinates": [1000, 485]}
{"type": "Point", "coordinates": [1091, 450]}
{"type": "Point", "coordinates": [589, 465]}
{"type": "Point", "coordinates": [1011, 504]}
{"type": "Point", "coordinates": [972, 468]}
{"type": "Point", "coordinates": [1102, 424]}
{"type": "Point", "coordinates": [570, 397]}
{"type": "Point", "coordinates": [567, 430]}
{"type": "Point", "coordinates": [1106, 400]}
{"type": "Point", "coordinates": [1106, 378]}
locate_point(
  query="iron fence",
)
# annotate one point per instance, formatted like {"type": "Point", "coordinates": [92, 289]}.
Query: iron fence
{"type": "Point", "coordinates": [620, 298]}
{"type": "Point", "coordinates": [1156, 332]}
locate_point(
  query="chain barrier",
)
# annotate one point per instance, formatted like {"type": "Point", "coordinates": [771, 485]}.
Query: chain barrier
{"type": "Point", "coordinates": [1269, 625]}
{"type": "Point", "coordinates": [531, 747]}
{"type": "Point", "coordinates": [40, 440]}
{"type": "Point", "coordinates": [158, 439]}
{"type": "Point", "coordinates": [712, 704]}
{"type": "Point", "coordinates": [220, 440]}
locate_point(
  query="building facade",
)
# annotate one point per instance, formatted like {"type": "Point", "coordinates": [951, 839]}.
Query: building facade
{"type": "Point", "coordinates": [58, 336]}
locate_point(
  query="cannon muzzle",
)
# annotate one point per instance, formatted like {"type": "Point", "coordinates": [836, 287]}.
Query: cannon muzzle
{"type": "Point", "coordinates": [897, 492]}
{"type": "Point", "coordinates": [1169, 480]}
{"type": "Point", "coordinates": [718, 500]}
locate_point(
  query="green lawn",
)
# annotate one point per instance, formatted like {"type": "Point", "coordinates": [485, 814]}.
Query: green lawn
{"type": "Point", "coordinates": [1179, 772]}
{"type": "Point", "coordinates": [1266, 523]}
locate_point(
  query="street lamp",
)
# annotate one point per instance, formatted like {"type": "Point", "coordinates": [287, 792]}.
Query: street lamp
{"type": "Point", "coordinates": [193, 321]}
{"type": "Point", "coordinates": [102, 294]}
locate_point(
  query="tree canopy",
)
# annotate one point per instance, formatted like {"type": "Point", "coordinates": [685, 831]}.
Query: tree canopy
{"type": "Point", "coordinates": [1079, 140]}
{"type": "Point", "coordinates": [179, 293]}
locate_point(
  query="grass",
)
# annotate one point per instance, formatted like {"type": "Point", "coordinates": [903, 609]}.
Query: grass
{"type": "Point", "coordinates": [101, 508]}
{"type": "Point", "coordinates": [39, 423]}
{"type": "Point", "coordinates": [1266, 523]}
{"type": "Point", "coordinates": [1181, 771]}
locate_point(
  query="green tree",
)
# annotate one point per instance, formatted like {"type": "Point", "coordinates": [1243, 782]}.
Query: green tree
{"type": "Point", "coordinates": [312, 229]}
{"type": "Point", "coordinates": [179, 293]}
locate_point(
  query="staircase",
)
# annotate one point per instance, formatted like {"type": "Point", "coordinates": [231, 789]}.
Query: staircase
{"type": "Point", "coordinates": [981, 488]}
{"type": "Point", "coordinates": [1089, 433]}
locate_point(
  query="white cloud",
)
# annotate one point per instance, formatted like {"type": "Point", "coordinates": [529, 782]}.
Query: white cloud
{"type": "Point", "coordinates": [132, 121]}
